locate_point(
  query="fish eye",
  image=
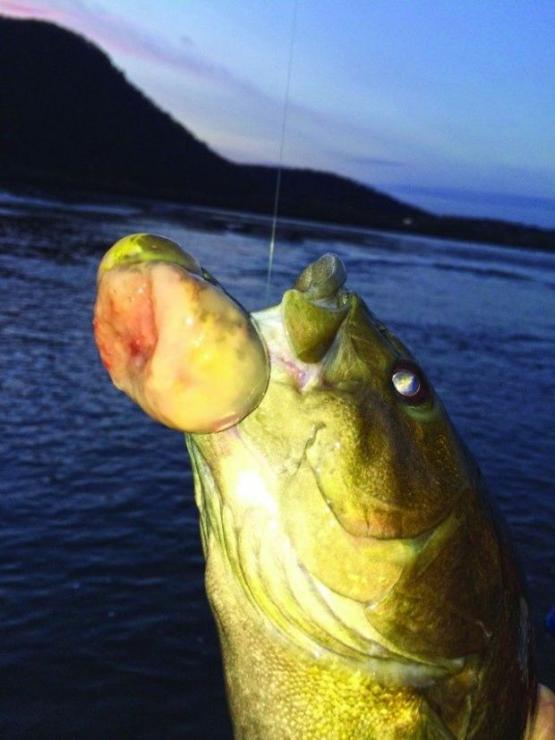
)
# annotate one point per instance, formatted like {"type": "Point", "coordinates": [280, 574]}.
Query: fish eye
{"type": "Point", "coordinates": [409, 383]}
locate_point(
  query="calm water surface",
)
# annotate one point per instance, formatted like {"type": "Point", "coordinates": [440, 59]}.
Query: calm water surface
{"type": "Point", "coordinates": [106, 632]}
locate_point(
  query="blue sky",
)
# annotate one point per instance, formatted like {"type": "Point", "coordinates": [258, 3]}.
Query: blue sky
{"type": "Point", "coordinates": [449, 105]}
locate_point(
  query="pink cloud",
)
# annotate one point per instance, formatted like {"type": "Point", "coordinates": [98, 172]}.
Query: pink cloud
{"type": "Point", "coordinates": [117, 34]}
{"type": "Point", "coordinates": [35, 10]}
{"type": "Point", "coordinates": [120, 35]}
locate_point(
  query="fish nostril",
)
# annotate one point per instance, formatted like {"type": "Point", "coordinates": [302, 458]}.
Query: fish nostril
{"type": "Point", "coordinates": [322, 278]}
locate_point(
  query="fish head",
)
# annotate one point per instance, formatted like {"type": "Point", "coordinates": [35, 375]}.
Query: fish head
{"type": "Point", "coordinates": [316, 379]}
{"type": "Point", "coordinates": [350, 402]}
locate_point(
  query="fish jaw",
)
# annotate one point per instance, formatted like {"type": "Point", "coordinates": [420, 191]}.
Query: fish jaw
{"type": "Point", "coordinates": [173, 340]}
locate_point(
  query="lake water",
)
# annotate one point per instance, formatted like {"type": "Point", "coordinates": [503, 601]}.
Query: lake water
{"type": "Point", "coordinates": [106, 632]}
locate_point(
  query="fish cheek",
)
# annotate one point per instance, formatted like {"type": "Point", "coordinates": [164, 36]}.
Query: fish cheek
{"type": "Point", "coordinates": [355, 567]}
{"type": "Point", "coordinates": [445, 604]}
{"type": "Point", "coordinates": [434, 469]}
{"type": "Point", "coordinates": [387, 469]}
{"type": "Point", "coordinates": [382, 473]}
{"type": "Point", "coordinates": [341, 443]}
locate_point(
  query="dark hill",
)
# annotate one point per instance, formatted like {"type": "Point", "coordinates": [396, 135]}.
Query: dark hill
{"type": "Point", "coordinates": [69, 118]}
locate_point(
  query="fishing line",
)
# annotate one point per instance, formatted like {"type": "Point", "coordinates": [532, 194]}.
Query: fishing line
{"type": "Point", "coordinates": [281, 147]}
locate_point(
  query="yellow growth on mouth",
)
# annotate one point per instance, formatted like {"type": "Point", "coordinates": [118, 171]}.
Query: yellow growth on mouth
{"type": "Point", "coordinates": [176, 343]}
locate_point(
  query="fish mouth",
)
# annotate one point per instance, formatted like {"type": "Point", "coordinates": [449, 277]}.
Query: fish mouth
{"type": "Point", "coordinates": [186, 351]}
{"type": "Point", "coordinates": [300, 330]}
{"type": "Point", "coordinates": [194, 359]}
{"type": "Point", "coordinates": [314, 309]}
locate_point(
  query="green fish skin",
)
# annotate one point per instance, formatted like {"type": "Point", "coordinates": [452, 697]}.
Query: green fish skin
{"type": "Point", "coordinates": [359, 581]}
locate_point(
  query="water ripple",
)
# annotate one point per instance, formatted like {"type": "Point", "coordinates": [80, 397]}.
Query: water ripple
{"type": "Point", "coordinates": [106, 629]}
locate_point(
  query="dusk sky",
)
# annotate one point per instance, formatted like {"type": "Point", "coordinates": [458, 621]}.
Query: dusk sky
{"type": "Point", "coordinates": [447, 105]}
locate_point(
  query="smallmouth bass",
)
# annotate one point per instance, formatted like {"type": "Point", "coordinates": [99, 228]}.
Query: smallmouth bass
{"type": "Point", "coordinates": [358, 578]}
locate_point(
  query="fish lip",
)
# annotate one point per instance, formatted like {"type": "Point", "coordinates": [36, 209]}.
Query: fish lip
{"type": "Point", "coordinates": [285, 365]}
{"type": "Point", "coordinates": [166, 333]}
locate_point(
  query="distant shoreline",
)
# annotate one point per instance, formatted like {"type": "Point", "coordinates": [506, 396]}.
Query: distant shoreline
{"type": "Point", "coordinates": [251, 223]}
{"type": "Point", "coordinates": [72, 122]}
